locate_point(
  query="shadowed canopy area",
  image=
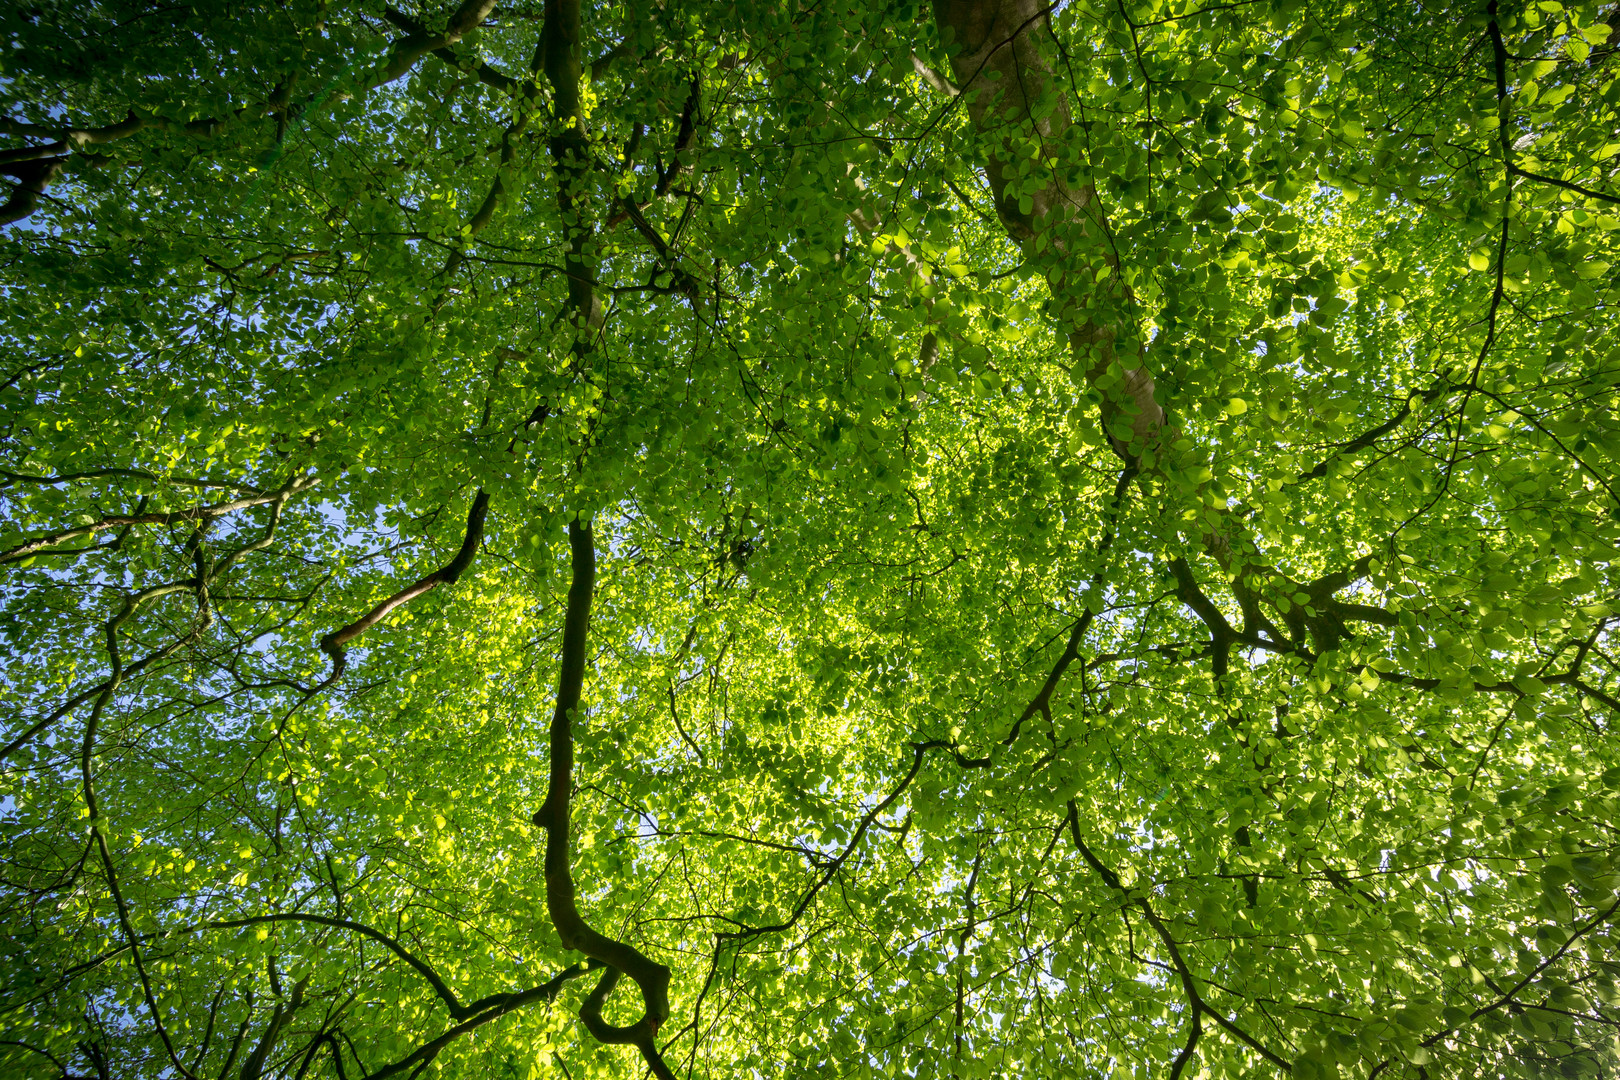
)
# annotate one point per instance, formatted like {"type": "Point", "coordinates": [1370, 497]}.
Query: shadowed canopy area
{"type": "Point", "coordinates": [710, 540]}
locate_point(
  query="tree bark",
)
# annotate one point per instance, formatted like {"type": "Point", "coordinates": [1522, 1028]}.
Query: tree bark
{"type": "Point", "coordinates": [333, 644]}
{"type": "Point", "coordinates": [997, 62]}
{"type": "Point", "coordinates": [1016, 106]}
{"type": "Point", "coordinates": [553, 815]}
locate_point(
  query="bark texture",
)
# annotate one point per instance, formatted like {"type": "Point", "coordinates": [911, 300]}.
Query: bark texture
{"type": "Point", "coordinates": [999, 56]}
{"type": "Point", "coordinates": [1015, 104]}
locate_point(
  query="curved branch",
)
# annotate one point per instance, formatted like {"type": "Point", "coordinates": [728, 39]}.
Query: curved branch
{"type": "Point", "coordinates": [1042, 701]}
{"type": "Point", "coordinates": [1372, 435]}
{"type": "Point", "coordinates": [448, 574]}
{"type": "Point", "coordinates": [833, 866]}
{"type": "Point", "coordinates": [98, 837]}
{"type": "Point", "coordinates": [32, 179]}
{"type": "Point", "coordinates": [441, 989]}
{"type": "Point", "coordinates": [205, 577]}
{"type": "Point", "coordinates": [612, 1034]}
{"type": "Point", "coordinates": [79, 699]}
{"type": "Point", "coordinates": [423, 1054]}
{"type": "Point", "coordinates": [36, 166]}
{"type": "Point", "coordinates": [200, 513]}
{"type": "Point", "coordinates": [139, 474]}
{"type": "Point", "coordinates": [486, 74]}
{"type": "Point", "coordinates": [1580, 932]}
{"type": "Point", "coordinates": [1565, 184]}
{"type": "Point", "coordinates": [1506, 997]}
{"type": "Point", "coordinates": [1195, 1000]}
{"type": "Point", "coordinates": [448, 996]}
{"type": "Point", "coordinates": [411, 48]}
{"type": "Point", "coordinates": [553, 816]}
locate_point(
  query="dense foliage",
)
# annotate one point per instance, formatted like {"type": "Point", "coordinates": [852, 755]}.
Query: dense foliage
{"type": "Point", "coordinates": [984, 539]}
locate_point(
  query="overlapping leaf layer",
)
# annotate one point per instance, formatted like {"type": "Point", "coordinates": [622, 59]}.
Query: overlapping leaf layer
{"type": "Point", "coordinates": [1087, 533]}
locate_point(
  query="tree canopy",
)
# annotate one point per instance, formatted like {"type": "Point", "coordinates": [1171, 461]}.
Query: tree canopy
{"type": "Point", "coordinates": [752, 539]}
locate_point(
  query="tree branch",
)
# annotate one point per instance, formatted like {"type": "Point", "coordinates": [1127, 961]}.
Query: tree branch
{"type": "Point", "coordinates": [1196, 1002]}
{"type": "Point", "coordinates": [201, 513]}
{"type": "Point", "coordinates": [408, 50]}
{"type": "Point", "coordinates": [333, 644]}
{"type": "Point", "coordinates": [553, 816]}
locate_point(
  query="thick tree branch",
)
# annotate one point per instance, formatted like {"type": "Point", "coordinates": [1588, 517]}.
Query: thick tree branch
{"type": "Point", "coordinates": [554, 816]}
{"type": "Point", "coordinates": [486, 74]}
{"type": "Point", "coordinates": [448, 574]}
{"type": "Point", "coordinates": [998, 63]}
{"type": "Point", "coordinates": [408, 50]}
{"type": "Point", "coordinates": [32, 180]}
